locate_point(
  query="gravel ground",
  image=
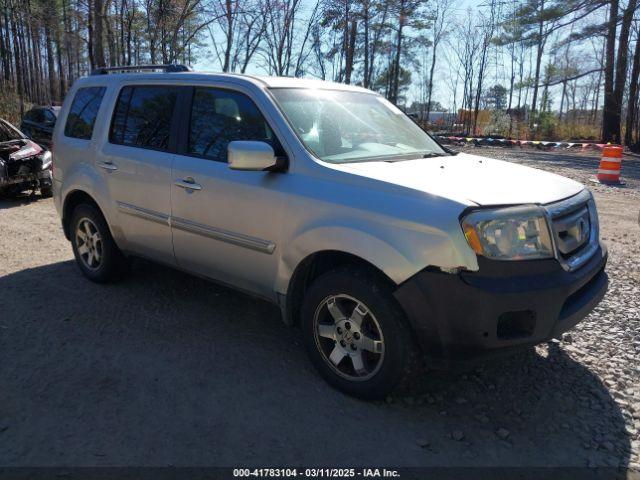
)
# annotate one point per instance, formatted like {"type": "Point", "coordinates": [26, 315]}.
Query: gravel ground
{"type": "Point", "coordinates": [165, 368]}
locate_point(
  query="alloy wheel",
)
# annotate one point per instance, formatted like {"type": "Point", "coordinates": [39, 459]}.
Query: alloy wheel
{"type": "Point", "coordinates": [349, 337]}
{"type": "Point", "coordinates": [89, 243]}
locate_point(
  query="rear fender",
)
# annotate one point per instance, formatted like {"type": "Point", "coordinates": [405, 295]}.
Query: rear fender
{"type": "Point", "coordinates": [83, 177]}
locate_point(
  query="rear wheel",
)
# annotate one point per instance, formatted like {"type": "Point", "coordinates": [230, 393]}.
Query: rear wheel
{"type": "Point", "coordinates": [96, 253]}
{"type": "Point", "coordinates": [355, 333]}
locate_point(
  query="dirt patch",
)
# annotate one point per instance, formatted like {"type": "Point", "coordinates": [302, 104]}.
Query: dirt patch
{"type": "Point", "coordinates": [165, 368]}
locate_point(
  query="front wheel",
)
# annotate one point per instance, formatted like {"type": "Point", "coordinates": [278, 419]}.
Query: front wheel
{"type": "Point", "coordinates": [46, 187]}
{"type": "Point", "coordinates": [355, 333]}
{"type": "Point", "coordinates": [46, 191]}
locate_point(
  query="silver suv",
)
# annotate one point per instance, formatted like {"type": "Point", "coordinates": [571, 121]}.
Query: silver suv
{"type": "Point", "coordinates": [383, 246]}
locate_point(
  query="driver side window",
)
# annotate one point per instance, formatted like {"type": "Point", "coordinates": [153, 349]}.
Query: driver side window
{"type": "Point", "coordinates": [222, 116]}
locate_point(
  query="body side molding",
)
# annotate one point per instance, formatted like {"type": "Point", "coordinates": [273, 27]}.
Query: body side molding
{"type": "Point", "coordinates": [246, 241]}
{"type": "Point", "coordinates": [144, 213]}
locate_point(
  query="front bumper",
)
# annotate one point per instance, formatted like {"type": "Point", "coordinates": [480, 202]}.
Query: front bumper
{"type": "Point", "coordinates": [43, 177]}
{"type": "Point", "coordinates": [501, 307]}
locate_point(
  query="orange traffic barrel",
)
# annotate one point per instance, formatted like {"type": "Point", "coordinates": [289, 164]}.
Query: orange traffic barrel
{"type": "Point", "coordinates": [609, 169]}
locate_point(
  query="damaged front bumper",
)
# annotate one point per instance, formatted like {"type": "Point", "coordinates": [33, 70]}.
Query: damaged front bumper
{"type": "Point", "coordinates": [503, 307]}
{"type": "Point", "coordinates": [24, 164]}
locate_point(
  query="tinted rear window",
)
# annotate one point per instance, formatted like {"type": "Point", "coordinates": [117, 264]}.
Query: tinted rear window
{"type": "Point", "coordinates": [143, 117]}
{"type": "Point", "coordinates": [83, 112]}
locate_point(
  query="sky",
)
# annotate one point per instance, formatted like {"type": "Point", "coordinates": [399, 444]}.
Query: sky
{"type": "Point", "coordinates": [446, 61]}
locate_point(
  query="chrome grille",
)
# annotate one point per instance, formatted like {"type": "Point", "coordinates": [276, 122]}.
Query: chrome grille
{"type": "Point", "coordinates": [574, 227]}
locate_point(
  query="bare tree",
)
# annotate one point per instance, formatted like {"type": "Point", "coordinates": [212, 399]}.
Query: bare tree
{"type": "Point", "coordinates": [632, 102]}
{"type": "Point", "coordinates": [226, 12]}
{"type": "Point", "coordinates": [615, 77]}
{"type": "Point", "coordinates": [280, 18]}
{"type": "Point", "coordinates": [441, 20]}
{"type": "Point", "coordinates": [487, 27]}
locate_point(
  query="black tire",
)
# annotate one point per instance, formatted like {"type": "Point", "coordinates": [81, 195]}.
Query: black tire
{"type": "Point", "coordinates": [112, 264]}
{"type": "Point", "coordinates": [46, 192]}
{"type": "Point", "coordinates": [401, 358]}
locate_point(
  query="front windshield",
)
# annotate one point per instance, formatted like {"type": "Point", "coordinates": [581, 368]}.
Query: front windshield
{"type": "Point", "coordinates": [342, 126]}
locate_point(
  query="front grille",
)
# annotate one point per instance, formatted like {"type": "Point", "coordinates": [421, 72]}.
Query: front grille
{"type": "Point", "coordinates": [574, 226]}
{"type": "Point", "coordinates": [572, 231]}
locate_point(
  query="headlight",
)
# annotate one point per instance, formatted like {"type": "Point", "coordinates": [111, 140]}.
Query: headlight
{"type": "Point", "coordinates": [515, 233]}
{"type": "Point", "coordinates": [46, 160]}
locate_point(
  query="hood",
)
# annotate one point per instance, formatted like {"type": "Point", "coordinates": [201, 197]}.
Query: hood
{"type": "Point", "coordinates": [470, 179]}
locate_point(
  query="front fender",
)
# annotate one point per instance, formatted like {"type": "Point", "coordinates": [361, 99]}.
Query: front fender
{"type": "Point", "coordinates": [355, 242]}
{"type": "Point", "coordinates": [399, 253]}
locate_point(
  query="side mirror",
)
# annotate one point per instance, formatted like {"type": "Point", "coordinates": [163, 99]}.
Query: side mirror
{"type": "Point", "coordinates": [252, 156]}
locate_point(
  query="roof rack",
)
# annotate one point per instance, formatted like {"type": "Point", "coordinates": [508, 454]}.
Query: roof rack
{"type": "Point", "coordinates": [169, 68]}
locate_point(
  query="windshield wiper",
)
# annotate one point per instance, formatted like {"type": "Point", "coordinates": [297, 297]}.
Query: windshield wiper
{"type": "Point", "coordinates": [416, 156]}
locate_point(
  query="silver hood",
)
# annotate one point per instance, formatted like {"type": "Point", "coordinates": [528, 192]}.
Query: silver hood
{"type": "Point", "coordinates": [470, 179]}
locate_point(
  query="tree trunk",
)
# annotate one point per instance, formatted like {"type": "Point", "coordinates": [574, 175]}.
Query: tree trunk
{"type": "Point", "coordinates": [365, 18]}
{"type": "Point", "coordinates": [98, 45]}
{"type": "Point", "coordinates": [7, 42]}
{"type": "Point", "coordinates": [608, 118]}
{"type": "Point", "coordinates": [123, 51]}
{"type": "Point", "coordinates": [4, 48]}
{"type": "Point", "coordinates": [229, 18]}
{"type": "Point", "coordinates": [27, 60]}
{"type": "Point", "coordinates": [562, 95]}
{"type": "Point", "coordinates": [62, 85]}
{"type": "Point", "coordinates": [539, 53]}
{"type": "Point", "coordinates": [50, 61]}
{"type": "Point", "coordinates": [621, 73]}
{"type": "Point", "coordinates": [633, 95]}
{"type": "Point", "coordinates": [350, 54]}
{"type": "Point", "coordinates": [430, 85]}
{"type": "Point", "coordinates": [17, 58]}
{"type": "Point", "coordinates": [152, 39]}
{"type": "Point", "coordinates": [395, 72]}
{"type": "Point", "coordinates": [112, 43]}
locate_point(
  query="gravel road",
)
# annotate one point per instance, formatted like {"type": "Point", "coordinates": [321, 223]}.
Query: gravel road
{"type": "Point", "coordinates": [165, 368]}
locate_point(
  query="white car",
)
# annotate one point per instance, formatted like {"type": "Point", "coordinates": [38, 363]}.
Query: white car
{"type": "Point", "coordinates": [385, 247]}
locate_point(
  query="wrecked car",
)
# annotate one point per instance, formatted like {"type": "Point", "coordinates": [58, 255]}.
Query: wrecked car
{"type": "Point", "coordinates": [24, 165]}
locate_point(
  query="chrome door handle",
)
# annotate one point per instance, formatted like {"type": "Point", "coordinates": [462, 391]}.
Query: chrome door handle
{"type": "Point", "coordinates": [188, 184]}
{"type": "Point", "coordinates": [107, 166]}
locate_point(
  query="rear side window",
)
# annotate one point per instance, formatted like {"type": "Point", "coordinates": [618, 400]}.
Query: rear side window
{"type": "Point", "coordinates": [83, 112]}
{"type": "Point", "coordinates": [221, 116]}
{"type": "Point", "coordinates": [142, 117]}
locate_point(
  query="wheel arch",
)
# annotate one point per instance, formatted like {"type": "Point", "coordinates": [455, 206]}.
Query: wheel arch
{"type": "Point", "coordinates": [321, 247]}
{"type": "Point", "coordinates": [315, 265]}
{"type": "Point", "coordinates": [71, 201]}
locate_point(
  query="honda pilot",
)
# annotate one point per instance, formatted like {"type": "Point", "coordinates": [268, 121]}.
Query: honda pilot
{"type": "Point", "coordinates": [387, 249]}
